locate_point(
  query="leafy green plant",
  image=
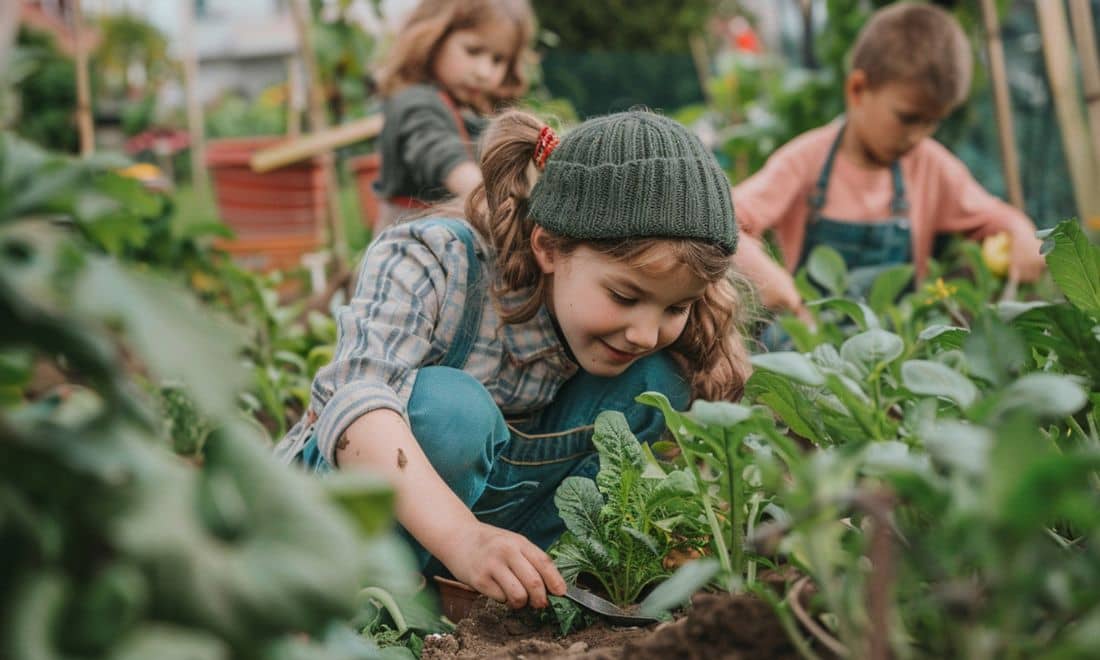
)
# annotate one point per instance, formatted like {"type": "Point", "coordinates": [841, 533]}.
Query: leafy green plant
{"type": "Point", "coordinates": [114, 547]}
{"type": "Point", "coordinates": [621, 525]}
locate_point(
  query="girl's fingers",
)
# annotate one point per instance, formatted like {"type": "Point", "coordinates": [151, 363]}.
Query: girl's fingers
{"type": "Point", "coordinates": [531, 581]}
{"type": "Point", "coordinates": [551, 579]}
{"type": "Point", "coordinates": [514, 592]}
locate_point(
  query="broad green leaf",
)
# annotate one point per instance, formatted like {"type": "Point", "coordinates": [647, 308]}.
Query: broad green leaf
{"type": "Point", "coordinates": [579, 503]}
{"type": "Point", "coordinates": [720, 414]}
{"type": "Point", "coordinates": [795, 366]}
{"type": "Point", "coordinates": [789, 404]}
{"type": "Point", "coordinates": [882, 458]}
{"type": "Point", "coordinates": [1009, 310]}
{"type": "Point", "coordinates": [827, 268]}
{"type": "Point", "coordinates": [368, 499]}
{"type": "Point", "coordinates": [888, 286]}
{"type": "Point", "coordinates": [944, 336]}
{"type": "Point", "coordinates": [959, 445]}
{"type": "Point", "coordinates": [621, 460]}
{"type": "Point", "coordinates": [680, 587]}
{"type": "Point", "coordinates": [1043, 394]}
{"type": "Point", "coordinates": [863, 315]}
{"type": "Point", "coordinates": [872, 347]}
{"type": "Point", "coordinates": [934, 379]}
{"type": "Point", "coordinates": [1075, 265]}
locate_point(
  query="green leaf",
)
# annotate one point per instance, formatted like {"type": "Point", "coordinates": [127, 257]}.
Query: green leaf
{"type": "Point", "coordinates": [934, 379]}
{"type": "Point", "coordinates": [944, 336]}
{"type": "Point", "coordinates": [1075, 265]}
{"type": "Point", "coordinates": [579, 503]}
{"type": "Point", "coordinates": [720, 414]}
{"type": "Point", "coordinates": [795, 366]}
{"type": "Point", "coordinates": [888, 286]}
{"type": "Point", "coordinates": [679, 588]}
{"type": "Point", "coordinates": [1043, 394]}
{"type": "Point", "coordinates": [368, 499]}
{"type": "Point", "coordinates": [863, 315]}
{"type": "Point", "coordinates": [621, 460]}
{"type": "Point", "coordinates": [959, 445]}
{"type": "Point", "coordinates": [789, 404]}
{"type": "Point", "coordinates": [827, 268]}
{"type": "Point", "coordinates": [872, 347]}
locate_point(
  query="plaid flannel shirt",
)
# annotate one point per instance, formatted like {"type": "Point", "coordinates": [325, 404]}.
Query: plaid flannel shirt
{"type": "Point", "coordinates": [406, 311]}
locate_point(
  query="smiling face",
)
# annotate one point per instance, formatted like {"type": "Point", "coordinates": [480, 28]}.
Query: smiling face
{"type": "Point", "coordinates": [612, 312]}
{"type": "Point", "coordinates": [887, 121]}
{"type": "Point", "coordinates": [471, 63]}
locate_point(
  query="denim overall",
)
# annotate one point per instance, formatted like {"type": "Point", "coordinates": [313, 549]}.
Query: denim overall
{"type": "Point", "coordinates": [507, 471]}
{"type": "Point", "coordinates": [868, 248]}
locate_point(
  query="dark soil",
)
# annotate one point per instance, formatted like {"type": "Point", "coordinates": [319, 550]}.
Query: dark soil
{"type": "Point", "coordinates": [716, 627]}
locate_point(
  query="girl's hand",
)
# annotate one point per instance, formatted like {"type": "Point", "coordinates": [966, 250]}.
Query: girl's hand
{"type": "Point", "coordinates": [503, 565]}
{"type": "Point", "coordinates": [1027, 263]}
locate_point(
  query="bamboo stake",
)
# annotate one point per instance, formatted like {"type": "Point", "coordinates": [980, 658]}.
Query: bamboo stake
{"type": "Point", "coordinates": [318, 122]}
{"type": "Point", "coordinates": [83, 93]}
{"type": "Point", "coordinates": [1010, 158]}
{"type": "Point", "coordinates": [195, 128]}
{"type": "Point", "coordinates": [1067, 103]}
{"type": "Point", "coordinates": [293, 102]}
{"type": "Point", "coordinates": [9, 25]}
{"type": "Point", "coordinates": [1085, 36]}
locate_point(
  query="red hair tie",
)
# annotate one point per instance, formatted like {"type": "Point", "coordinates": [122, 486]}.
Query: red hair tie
{"type": "Point", "coordinates": [547, 142]}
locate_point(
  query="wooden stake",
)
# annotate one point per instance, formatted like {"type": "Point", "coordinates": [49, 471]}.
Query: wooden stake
{"type": "Point", "coordinates": [318, 122]}
{"type": "Point", "coordinates": [195, 128]}
{"type": "Point", "coordinates": [9, 25]}
{"type": "Point", "coordinates": [83, 93]}
{"type": "Point", "coordinates": [1067, 103]}
{"type": "Point", "coordinates": [1085, 36]}
{"type": "Point", "coordinates": [293, 102]}
{"type": "Point", "coordinates": [1010, 158]}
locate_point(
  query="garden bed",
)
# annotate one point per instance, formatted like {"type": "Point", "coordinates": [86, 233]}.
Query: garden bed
{"type": "Point", "coordinates": [717, 626]}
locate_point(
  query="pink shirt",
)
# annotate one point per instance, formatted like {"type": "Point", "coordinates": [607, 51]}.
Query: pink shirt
{"type": "Point", "coordinates": [943, 196]}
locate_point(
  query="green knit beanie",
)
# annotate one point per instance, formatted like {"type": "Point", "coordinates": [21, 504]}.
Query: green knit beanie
{"type": "Point", "coordinates": [631, 175]}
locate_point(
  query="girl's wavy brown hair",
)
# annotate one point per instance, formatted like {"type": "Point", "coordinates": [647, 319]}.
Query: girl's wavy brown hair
{"type": "Point", "coordinates": [710, 351]}
{"type": "Point", "coordinates": [409, 60]}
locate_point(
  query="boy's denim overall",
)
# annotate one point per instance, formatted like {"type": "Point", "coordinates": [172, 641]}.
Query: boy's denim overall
{"type": "Point", "coordinates": [507, 471]}
{"type": "Point", "coordinates": [868, 248]}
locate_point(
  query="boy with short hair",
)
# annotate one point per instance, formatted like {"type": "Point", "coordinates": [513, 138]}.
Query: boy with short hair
{"type": "Point", "coordinates": [873, 184]}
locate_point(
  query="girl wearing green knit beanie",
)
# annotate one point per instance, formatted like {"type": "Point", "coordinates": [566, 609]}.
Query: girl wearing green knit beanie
{"type": "Point", "coordinates": [477, 351]}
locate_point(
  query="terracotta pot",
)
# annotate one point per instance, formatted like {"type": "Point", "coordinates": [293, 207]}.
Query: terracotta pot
{"type": "Point", "coordinates": [456, 599]}
{"type": "Point", "coordinates": [366, 170]}
{"type": "Point", "coordinates": [277, 216]}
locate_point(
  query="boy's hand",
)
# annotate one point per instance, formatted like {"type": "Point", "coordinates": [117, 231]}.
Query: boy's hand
{"type": "Point", "coordinates": [504, 566]}
{"type": "Point", "coordinates": [1027, 263]}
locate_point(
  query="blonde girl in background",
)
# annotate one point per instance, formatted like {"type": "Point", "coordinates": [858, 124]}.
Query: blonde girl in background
{"type": "Point", "coordinates": [478, 351]}
{"type": "Point", "coordinates": [454, 62]}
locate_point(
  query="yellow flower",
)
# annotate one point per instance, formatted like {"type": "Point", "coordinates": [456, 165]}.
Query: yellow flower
{"type": "Point", "coordinates": [939, 290]}
{"type": "Point", "coordinates": [996, 250]}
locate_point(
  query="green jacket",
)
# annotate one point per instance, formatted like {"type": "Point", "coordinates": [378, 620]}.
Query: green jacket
{"type": "Point", "coordinates": [421, 143]}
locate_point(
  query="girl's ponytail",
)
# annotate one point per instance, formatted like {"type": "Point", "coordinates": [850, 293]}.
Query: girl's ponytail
{"type": "Point", "coordinates": [497, 208]}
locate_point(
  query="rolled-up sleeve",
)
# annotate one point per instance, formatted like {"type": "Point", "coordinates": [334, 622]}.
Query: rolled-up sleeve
{"type": "Point", "coordinates": [384, 335]}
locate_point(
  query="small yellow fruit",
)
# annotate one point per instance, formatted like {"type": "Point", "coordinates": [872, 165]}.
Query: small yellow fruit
{"type": "Point", "coordinates": [996, 251]}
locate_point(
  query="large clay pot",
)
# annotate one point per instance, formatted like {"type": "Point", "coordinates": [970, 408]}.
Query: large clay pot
{"type": "Point", "coordinates": [277, 216]}
{"type": "Point", "coordinates": [366, 170]}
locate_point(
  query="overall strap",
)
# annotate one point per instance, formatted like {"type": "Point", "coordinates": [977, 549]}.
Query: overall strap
{"type": "Point", "coordinates": [462, 344]}
{"type": "Point", "coordinates": [898, 204]}
{"type": "Point", "coordinates": [460, 124]}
